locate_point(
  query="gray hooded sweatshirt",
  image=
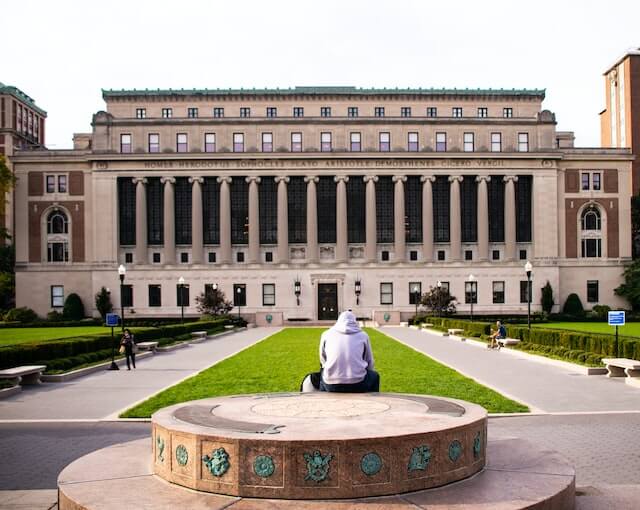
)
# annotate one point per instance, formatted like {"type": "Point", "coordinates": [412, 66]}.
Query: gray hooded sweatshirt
{"type": "Point", "coordinates": [345, 352]}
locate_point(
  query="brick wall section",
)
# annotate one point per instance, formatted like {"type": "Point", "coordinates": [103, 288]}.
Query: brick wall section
{"type": "Point", "coordinates": [610, 206]}
{"type": "Point", "coordinates": [611, 180]}
{"type": "Point", "coordinates": [76, 183]}
{"type": "Point", "coordinates": [634, 91]}
{"type": "Point", "coordinates": [76, 210]}
{"type": "Point", "coordinates": [571, 181]}
{"type": "Point", "coordinates": [36, 184]}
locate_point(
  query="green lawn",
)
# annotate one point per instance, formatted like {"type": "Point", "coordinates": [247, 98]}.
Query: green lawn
{"type": "Point", "coordinates": [278, 364]}
{"type": "Point", "coordinates": [629, 329]}
{"type": "Point", "coordinates": [12, 336]}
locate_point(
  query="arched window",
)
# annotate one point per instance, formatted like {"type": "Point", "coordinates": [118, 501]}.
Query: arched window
{"type": "Point", "coordinates": [57, 223]}
{"type": "Point", "coordinates": [591, 235]}
{"type": "Point", "coordinates": [57, 240]}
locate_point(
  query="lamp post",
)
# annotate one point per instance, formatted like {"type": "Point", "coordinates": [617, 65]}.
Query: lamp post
{"type": "Point", "coordinates": [358, 290]}
{"type": "Point", "coordinates": [239, 291]}
{"type": "Point", "coordinates": [439, 285]}
{"type": "Point", "coordinates": [181, 287]}
{"type": "Point", "coordinates": [297, 290]}
{"type": "Point", "coordinates": [472, 292]}
{"type": "Point", "coordinates": [122, 271]}
{"type": "Point", "coordinates": [415, 290]}
{"type": "Point", "coordinates": [527, 268]}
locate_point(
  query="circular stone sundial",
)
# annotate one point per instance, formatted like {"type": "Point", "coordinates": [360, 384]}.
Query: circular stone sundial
{"type": "Point", "coordinates": [318, 445]}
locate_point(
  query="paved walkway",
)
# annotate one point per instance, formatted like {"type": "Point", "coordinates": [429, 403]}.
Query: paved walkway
{"type": "Point", "coordinates": [543, 387]}
{"type": "Point", "coordinates": [104, 394]}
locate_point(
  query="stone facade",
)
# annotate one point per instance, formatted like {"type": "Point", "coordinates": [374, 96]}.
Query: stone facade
{"type": "Point", "coordinates": [326, 190]}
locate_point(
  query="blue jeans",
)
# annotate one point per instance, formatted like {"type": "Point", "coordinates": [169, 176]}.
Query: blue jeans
{"type": "Point", "coordinates": [370, 383]}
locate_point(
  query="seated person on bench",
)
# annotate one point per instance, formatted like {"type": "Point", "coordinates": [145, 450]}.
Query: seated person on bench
{"type": "Point", "coordinates": [346, 358]}
{"type": "Point", "coordinates": [498, 334]}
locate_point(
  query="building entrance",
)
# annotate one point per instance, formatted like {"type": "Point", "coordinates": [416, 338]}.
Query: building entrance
{"type": "Point", "coordinates": [327, 301]}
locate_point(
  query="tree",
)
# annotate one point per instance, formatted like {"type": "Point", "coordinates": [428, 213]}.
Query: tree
{"type": "Point", "coordinates": [635, 226]}
{"type": "Point", "coordinates": [7, 277]}
{"type": "Point", "coordinates": [547, 301]}
{"type": "Point", "coordinates": [213, 302]}
{"type": "Point", "coordinates": [103, 303]}
{"type": "Point", "coordinates": [7, 181]}
{"type": "Point", "coordinates": [73, 308]}
{"type": "Point", "coordinates": [438, 300]}
{"type": "Point", "coordinates": [630, 289]}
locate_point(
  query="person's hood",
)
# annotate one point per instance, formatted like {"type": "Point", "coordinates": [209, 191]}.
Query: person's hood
{"type": "Point", "coordinates": [347, 324]}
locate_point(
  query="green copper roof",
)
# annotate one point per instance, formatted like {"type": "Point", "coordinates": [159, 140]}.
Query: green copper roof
{"type": "Point", "coordinates": [345, 90]}
{"type": "Point", "coordinates": [18, 94]}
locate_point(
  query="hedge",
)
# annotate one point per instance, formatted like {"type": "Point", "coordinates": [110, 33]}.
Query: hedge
{"type": "Point", "coordinates": [470, 328]}
{"type": "Point", "coordinates": [43, 353]}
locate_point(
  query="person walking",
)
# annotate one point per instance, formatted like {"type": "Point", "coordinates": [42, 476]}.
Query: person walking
{"type": "Point", "coordinates": [130, 348]}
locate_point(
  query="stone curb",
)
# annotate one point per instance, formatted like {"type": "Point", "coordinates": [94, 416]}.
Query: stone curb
{"type": "Point", "coordinates": [7, 392]}
{"type": "Point", "coordinates": [74, 374]}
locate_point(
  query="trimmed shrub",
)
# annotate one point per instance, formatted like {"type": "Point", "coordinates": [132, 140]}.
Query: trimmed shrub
{"type": "Point", "coordinates": [600, 311]}
{"type": "Point", "coordinates": [573, 306]}
{"type": "Point", "coordinates": [73, 308]}
{"type": "Point", "coordinates": [476, 329]}
{"type": "Point", "coordinates": [546, 300]}
{"type": "Point", "coordinates": [23, 314]}
{"type": "Point", "coordinates": [54, 316]}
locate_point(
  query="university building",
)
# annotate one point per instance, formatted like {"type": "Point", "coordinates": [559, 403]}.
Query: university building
{"type": "Point", "coordinates": [299, 203]}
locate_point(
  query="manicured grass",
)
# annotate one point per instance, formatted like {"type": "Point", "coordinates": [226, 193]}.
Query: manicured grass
{"type": "Point", "coordinates": [629, 329]}
{"type": "Point", "coordinates": [13, 336]}
{"type": "Point", "coordinates": [278, 364]}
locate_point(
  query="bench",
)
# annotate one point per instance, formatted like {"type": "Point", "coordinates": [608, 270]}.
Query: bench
{"type": "Point", "coordinates": [147, 346]}
{"type": "Point", "coordinates": [426, 325]}
{"type": "Point", "coordinates": [508, 341]}
{"type": "Point", "coordinates": [622, 367]}
{"type": "Point", "coordinates": [455, 331]}
{"type": "Point", "coordinates": [28, 374]}
{"type": "Point", "coordinates": [198, 336]}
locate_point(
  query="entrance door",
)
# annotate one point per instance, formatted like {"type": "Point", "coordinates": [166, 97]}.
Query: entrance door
{"type": "Point", "coordinates": [327, 301]}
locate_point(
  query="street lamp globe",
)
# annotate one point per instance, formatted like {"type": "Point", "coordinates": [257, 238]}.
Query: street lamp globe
{"type": "Point", "coordinates": [181, 280]}
{"type": "Point", "coordinates": [528, 267]}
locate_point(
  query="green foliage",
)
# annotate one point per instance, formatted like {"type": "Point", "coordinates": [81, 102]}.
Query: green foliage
{"type": "Point", "coordinates": [73, 308]}
{"type": "Point", "coordinates": [22, 314]}
{"type": "Point", "coordinates": [438, 300]}
{"type": "Point", "coordinates": [573, 306]}
{"type": "Point", "coordinates": [55, 316]}
{"type": "Point", "coordinates": [601, 311]}
{"type": "Point", "coordinates": [546, 300]}
{"type": "Point", "coordinates": [213, 303]}
{"type": "Point", "coordinates": [635, 226]}
{"type": "Point", "coordinates": [476, 329]}
{"type": "Point", "coordinates": [562, 353]}
{"type": "Point", "coordinates": [103, 303]}
{"type": "Point", "coordinates": [630, 289]}
{"type": "Point", "coordinates": [7, 290]}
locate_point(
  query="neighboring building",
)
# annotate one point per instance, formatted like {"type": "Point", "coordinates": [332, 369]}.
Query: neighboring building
{"type": "Point", "coordinates": [21, 127]}
{"type": "Point", "coordinates": [329, 190]}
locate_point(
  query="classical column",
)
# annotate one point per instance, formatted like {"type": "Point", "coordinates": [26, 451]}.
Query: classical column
{"type": "Point", "coordinates": [225, 220]}
{"type": "Point", "coordinates": [169, 214]}
{"type": "Point", "coordinates": [283, 220]}
{"type": "Point", "coordinates": [141, 220]}
{"type": "Point", "coordinates": [312, 219]}
{"type": "Point", "coordinates": [371, 246]}
{"type": "Point", "coordinates": [254, 220]}
{"type": "Point", "coordinates": [455, 242]}
{"type": "Point", "coordinates": [427, 217]}
{"type": "Point", "coordinates": [341, 218]}
{"type": "Point", "coordinates": [399, 219]}
{"type": "Point", "coordinates": [197, 238]}
{"type": "Point", "coordinates": [483, 217]}
{"type": "Point", "coordinates": [510, 216]}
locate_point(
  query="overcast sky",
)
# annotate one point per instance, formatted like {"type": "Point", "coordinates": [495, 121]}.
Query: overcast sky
{"type": "Point", "coordinates": [62, 53]}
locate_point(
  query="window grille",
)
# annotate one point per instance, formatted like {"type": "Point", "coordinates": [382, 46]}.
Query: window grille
{"type": "Point", "coordinates": [326, 202]}
{"type": "Point", "coordinates": [155, 216]}
{"type": "Point", "coordinates": [356, 209]}
{"type": "Point", "coordinates": [384, 209]}
{"type": "Point", "coordinates": [268, 199]}
{"type": "Point", "coordinates": [469, 209]}
{"type": "Point", "coordinates": [523, 209]}
{"type": "Point", "coordinates": [239, 210]}
{"type": "Point", "coordinates": [495, 188]}
{"type": "Point", "coordinates": [297, 208]}
{"type": "Point", "coordinates": [211, 210]}
{"type": "Point", "coordinates": [441, 201]}
{"type": "Point", "coordinates": [413, 209]}
{"type": "Point", "coordinates": [183, 210]}
{"type": "Point", "coordinates": [127, 210]}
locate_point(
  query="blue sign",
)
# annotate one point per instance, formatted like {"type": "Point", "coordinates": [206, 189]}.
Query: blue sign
{"type": "Point", "coordinates": [113, 319]}
{"type": "Point", "coordinates": [616, 318]}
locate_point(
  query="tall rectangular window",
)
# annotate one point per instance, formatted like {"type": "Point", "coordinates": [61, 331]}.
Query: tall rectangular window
{"type": "Point", "coordinates": [507, 113]}
{"type": "Point", "coordinates": [218, 112]}
{"type": "Point", "coordinates": [384, 142]}
{"type": "Point", "coordinates": [296, 142]}
{"type": "Point", "coordinates": [523, 142]}
{"type": "Point", "coordinates": [471, 292]}
{"type": "Point", "coordinates": [154, 142]}
{"type": "Point", "coordinates": [378, 111]}
{"type": "Point", "coordinates": [496, 142]}
{"type": "Point", "coordinates": [498, 292]}
{"type": "Point", "coordinates": [386, 293]}
{"type": "Point", "coordinates": [167, 113]}
{"type": "Point", "coordinates": [524, 285]}
{"type": "Point", "coordinates": [456, 111]}
{"type": "Point", "coordinates": [352, 111]}
{"type": "Point", "coordinates": [192, 113]}
{"type": "Point", "coordinates": [298, 111]}
{"type": "Point", "coordinates": [432, 111]}
{"type": "Point", "coordinates": [405, 111]}
{"type": "Point", "coordinates": [57, 296]}
{"type": "Point", "coordinates": [127, 296]}
{"type": "Point", "coordinates": [238, 142]}
{"type": "Point", "coordinates": [62, 183]}
{"type": "Point", "coordinates": [51, 183]}
{"type": "Point", "coordinates": [182, 144]}
{"type": "Point", "coordinates": [595, 179]}
{"type": "Point", "coordinates": [325, 111]}
{"type": "Point", "coordinates": [468, 142]}
{"type": "Point", "coordinates": [209, 142]}
{"type": "Point", "coordinates": [585, 181]}
{"type": "Point", "coordinates": [412, 142]}
{"type": "Point", "coordinates": [355, 142]}
{"type": "Point", "coordinates": [483, 112]}
{"type": "Point", "coordinates": [441, 142]}
{"type": "Point", "coordinates": [325, 142]}
{"type": "Point", "coordinates": [245, 112]}
{"type": "Point", "coordinates": [592, 291]}
{"type": "Point", "coordinates": [155, 295]}
{"type": "Point", "coordinates": [592, 247]}
{"type": "Point", "coordinates": [182, 295]}
{"type": "Point", "coordinates": [272, 111]}
{"type": "Point", "coordinates": [267, 142]}
{"type": "Point", "coordinates": [141, 113]}
{"type": "Point", "coordinates": [268, 294]}
{"type": "Point", "coordinates": [125, 143]}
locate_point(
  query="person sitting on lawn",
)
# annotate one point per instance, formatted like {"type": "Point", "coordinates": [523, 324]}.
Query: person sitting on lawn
{"type": "Point", "coordinates": [347, 359]}
{"type": "Point", "coordinates": [496, 335]}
